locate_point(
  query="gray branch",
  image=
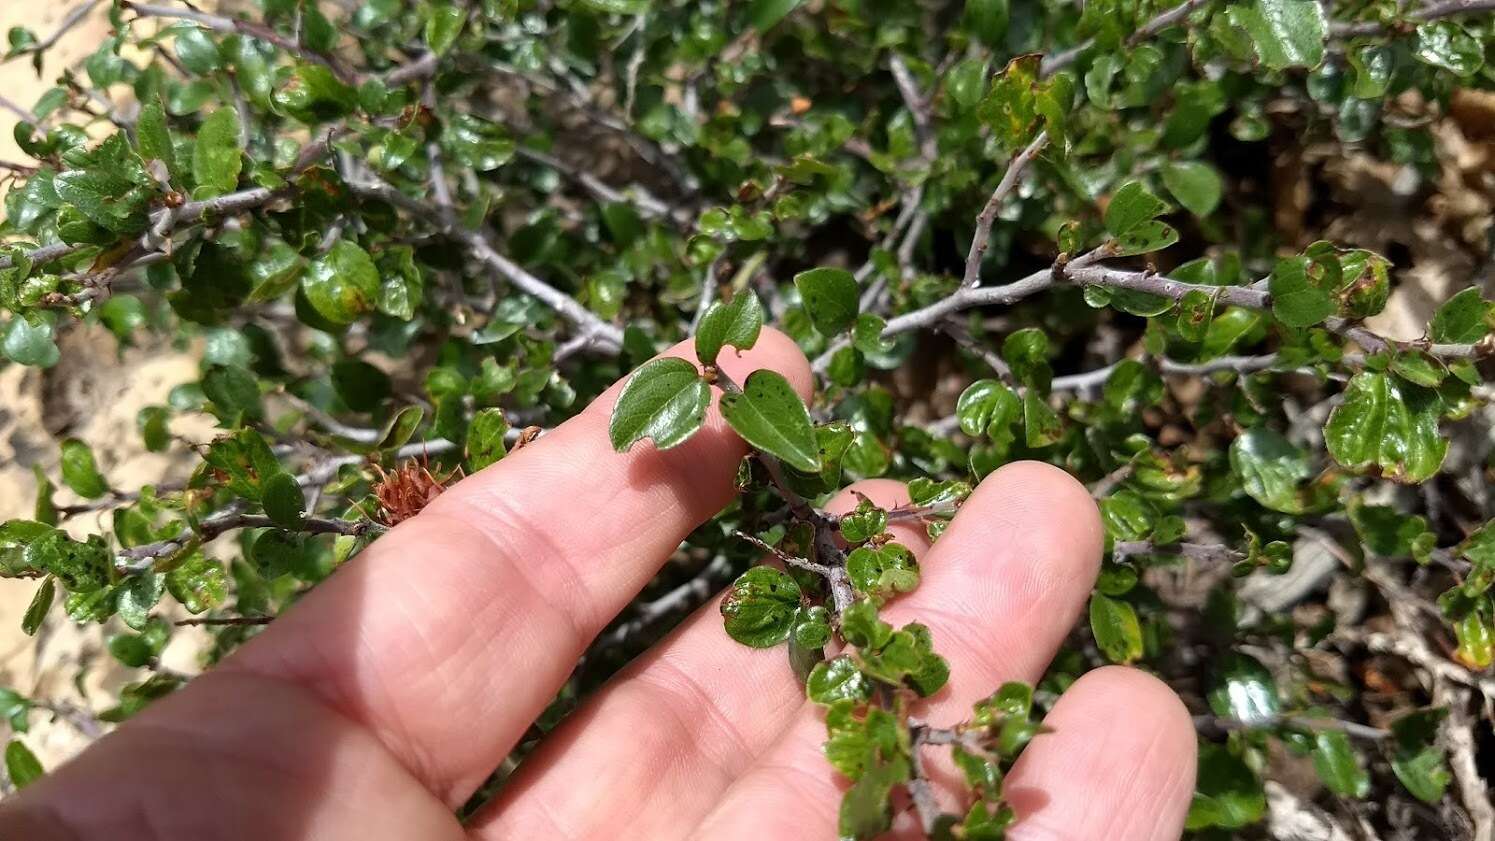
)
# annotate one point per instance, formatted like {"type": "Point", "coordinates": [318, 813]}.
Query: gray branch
{"type": "Point", "coordinates": [607, 338]}
{"type": "Point", "coordinates": [1061, 60]}
{"type": "Point", "coordinates": [1425, 14]}
{"type": "Point", "coordinates": [138, 559]}
{"type": "Point", "coordinates": [73, 18]}
{"type": "Point", "coordinates": [981, 239]}
{"type": "Point", "coordinates": [227, 25]}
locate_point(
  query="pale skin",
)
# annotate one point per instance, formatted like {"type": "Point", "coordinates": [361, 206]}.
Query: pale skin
{"type": "Point", "coordinates": [374, 707]}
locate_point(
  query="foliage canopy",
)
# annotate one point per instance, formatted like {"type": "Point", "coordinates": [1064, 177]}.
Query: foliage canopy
{"type": "Point", "coordinates": [438, 227]}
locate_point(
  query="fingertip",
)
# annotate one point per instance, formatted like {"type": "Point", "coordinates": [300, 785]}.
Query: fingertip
{"type": "Point", "coordinates": [1044, 528]}
{"type": "Point", "coordinates": [1118, 763]}
{"type": "Point", "coordinates": [1145, 691]}
{"type": "Point", "coordinates": [1051, 495]}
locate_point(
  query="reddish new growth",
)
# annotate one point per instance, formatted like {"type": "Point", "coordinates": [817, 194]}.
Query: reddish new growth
{"type": "Point", "coordinates": [409, 489]}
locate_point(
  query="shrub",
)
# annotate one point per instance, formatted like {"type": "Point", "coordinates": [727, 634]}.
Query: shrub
{"type": "Point", "coordinates": [407, 236]}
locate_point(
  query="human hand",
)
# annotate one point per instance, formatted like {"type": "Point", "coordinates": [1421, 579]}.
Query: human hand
{"type": "Point", "coordinates": [373, 708]}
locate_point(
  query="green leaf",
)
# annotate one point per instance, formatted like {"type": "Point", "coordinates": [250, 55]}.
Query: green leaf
{"type": "Point", "coordinates": [1387, 533]}
{"type": "Point", "coordinates": [838, 679]}
{"type": "Point", "coordinates": [313, 94]}
{"type": "Point", "coordinates": [233, 390]}
{"type": "Point", "coordinates": [763, 14]}
{"type": "Point", "coordinates": [444, 22]}
{"type": "Point", "coordinates": [830, 297]}
{"type": "Point", "coordinates": [1461, 319]}
{"type": "Point", "coordinates": [1131, 205]}
{"type": "Point", "coordinates": [883, 571]}
{"type": "Point", "coordinates": [1419, 368]}
{"type": "Point", "coordinates": [1270, 468]}
{"type": "Point", "coordinates": [1027, 352]}
{"type": "Point", "coordinates": [1476, 640]}
{"type": "Point", "coordinates": [402, 426]}
{"type": "Point", "coordinates": [21, 765]}
{"type": "Point", "coordinates": [1227, 793]}
{"type": "Point", "coordinates": [1116, 629]}
{"type": "Point", "coordinates": [153, 137]}
{"type": "Point", "coordinates": [665, 400]}
{"type": "Point", "coordinates": [79, 472]}
{"type": "Point", "coordinates": [485, 439]}
{"type": "Point", "coordinates": [1011, 106]}
{"type": "Point", "coordinates": [1243, 691]}
{"type": "Point", "coordinates": [28, 341]}
{"type": "Point", "coordinates": [1143, 239]}
{"type": "Point", "coordinates": [1041, 424]}
{"type": "Point", "coordinates": [15, 709]}
{"type": "Point", "coordinates": [866, 808]}
{"type": "Point", "coordinates": [1373, 66]}
{"type": "Point", "coordinates": [197, 51]}
{"type": "Point", "coordinates": [1446, 44]}
{"type": "Point", "coordinates": [860, 626]}
{"type": "Point", "coordinates": [1196, 186]}
{"type": "Point", "coordinates": [364, 387]}
{"type": "Point", "coordinates": [1338, 764]}
{"type": "Point", "coordinates": [760, 607]}
{"type": "Point", "coordinates": [151, 421]}
{"type": "Point", "coordinates": [476, 142]}
{"type": "Point", "coordinates": [769, 415]}
{"type": "Point", "coordinates": [1419, 760]}
{"type": "Point", "coordinates": [619, 7]}
{"type": "Point", "coordinates": [1386, 426]}
{"type": "Point", "coordinates": [812, 628]}
{"type": "Point", "coordinates": [36, 612]}
{"type": "Point", "coordinates": [130, 650]}
{"type": "Point", "coordinates": [342, 284]}
{"type": "Point", "coordinates": [863, 523]}
{"type": "Point", "coordinates": [966, 83]}
{"type": "Point", "coordinates": [1297, 300]}
{"type": "Point", "coordinates": [1285, 33]}
{"type": "Point", "coordinates": [987, 407]}
{"type": "Point", "coordinates": [736, 323]}
{"type": "Point", "coordinates": [988, 20]}
{"type": "Point", "coordinates": [138, 596]}
{"type": "Point", "coordinates": [217, 157]}
{"type": "Point", "coordinates": [284, 502]}
{"type": "Point", "coordinates": [198, 582]}
{"type": "Point", "coordinates": [908, 658]}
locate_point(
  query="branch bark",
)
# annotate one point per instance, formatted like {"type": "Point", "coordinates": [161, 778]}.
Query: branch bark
{"type": "Point", "coordinates": [981, 239]}
{"type": "Point", "coordinates": [607, 338]}
{"type": "Point", "coordinates": [219, 23]}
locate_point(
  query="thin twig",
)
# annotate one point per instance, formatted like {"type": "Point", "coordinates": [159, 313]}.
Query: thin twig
{"type": "Point", "coordinates": [1196, 552]}
{"type": "Point", "coordinates": [226, 205]}
{"type": "Point", "coordinates": [1058, 61]}
{"type": "Point", "coordinates": [219, 23]}
{"type": "Point", "coordinates": [141, 558]}
{"type": "Point", "coordinates": [647, 205]}
{"type": "Point", "coordinates": [1087, 271]}
{"type": "Point", "coordinates": [224, 621]}
{"type": "Point", "coordinates": [918, 107]}
{"type": "Point", "coordinates": [24, 113]}
{"type": "Point", "coordinates": [684, 598]}
{"type": "Point", "coordinates": [919, 788]}
{"type": "Point", "coordinates": [608, 337]}
{"type": "Point", "coordinates": [1424, 14]}
{"type": "Point", "coordinates": [73, 18]}
{"type": "Point", "coordinates": [981, 239]}
{"type": "Point", "coordinates": [1210, 725]}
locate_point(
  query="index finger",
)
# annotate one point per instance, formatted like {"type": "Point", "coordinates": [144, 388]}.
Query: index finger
{"type": "Point", "coordinates": [450, 635]}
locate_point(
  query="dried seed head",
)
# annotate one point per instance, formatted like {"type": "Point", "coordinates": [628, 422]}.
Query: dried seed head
{"type": "Point", "coordinates": [408, 490]}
